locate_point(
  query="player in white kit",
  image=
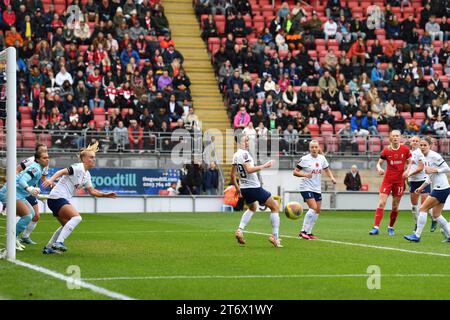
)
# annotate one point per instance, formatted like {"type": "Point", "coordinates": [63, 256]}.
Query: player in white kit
{"type": "Point", "coordinates": [436, 168]}
{"type": "Point", "coordinates": [310, 168]}
{"type": "Point", "coordinates": [416, 178]}
{"type": "Point", "coordinates": [74, 177]}
{"type": "Point", "coordinates": [250, 188]}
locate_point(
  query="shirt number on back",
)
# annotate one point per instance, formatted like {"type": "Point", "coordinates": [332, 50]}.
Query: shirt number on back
{"type": "Point", "coordinates": [241, 170]}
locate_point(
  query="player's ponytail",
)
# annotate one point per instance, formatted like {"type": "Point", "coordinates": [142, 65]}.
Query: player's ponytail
{"type": "Point", "coordinates": [91, 148]}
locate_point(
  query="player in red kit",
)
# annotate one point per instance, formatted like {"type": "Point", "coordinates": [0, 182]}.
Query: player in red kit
{"type": "Point", "coordinates": [396, 156]}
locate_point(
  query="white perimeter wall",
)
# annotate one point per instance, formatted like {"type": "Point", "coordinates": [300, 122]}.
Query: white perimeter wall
{"type": "Point", "coordinates": [330, 201]}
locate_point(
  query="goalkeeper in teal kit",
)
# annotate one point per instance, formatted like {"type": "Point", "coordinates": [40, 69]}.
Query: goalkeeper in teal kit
{"type": "Point", "coordinates": [26, 182]}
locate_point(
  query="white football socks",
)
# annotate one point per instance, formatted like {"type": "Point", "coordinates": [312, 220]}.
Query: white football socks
{"type": "Point", "coordinates": [275, 220]}
{"type": "Point", "coordinates": [29, 229]}
{"type": "Point", "coordinates": [313, 222]}
{"type": "Point", "coordinates": [308, 221]}
{"type": "Point", "coordinates": [54, 237]}
{"type": "Point", "coordinates": [68, 228]}
{"type": "Point", "coordinates": [246, 219]}
{"type": "Point", "coordinates": [444, 223]}
{"type": "Point", "coordinates": [421, 222]}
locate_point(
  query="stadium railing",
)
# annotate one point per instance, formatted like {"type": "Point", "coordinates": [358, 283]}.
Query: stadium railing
{"type": "Point", "coordinates": [163, 143]}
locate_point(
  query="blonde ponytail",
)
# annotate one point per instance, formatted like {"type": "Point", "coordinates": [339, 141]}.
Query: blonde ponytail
{"type": "Point", "coordinates": [91, 148]}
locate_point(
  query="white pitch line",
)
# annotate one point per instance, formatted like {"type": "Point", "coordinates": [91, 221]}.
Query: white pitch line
{"type": "Point", "coordinates": [75, 282]}
{"type": "Point", "coordinates": [147, 231]}
{"type": "Point", "coordinates": [361, 245]}
{"type": "Point", "coordinates": [287, 276]}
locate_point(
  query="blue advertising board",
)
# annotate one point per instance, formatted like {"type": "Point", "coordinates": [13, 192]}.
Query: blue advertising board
{"type": "Point", "coordinates": [131, 181]}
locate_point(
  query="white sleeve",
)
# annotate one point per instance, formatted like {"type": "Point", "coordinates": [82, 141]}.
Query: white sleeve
{"type": "Point", "coordinates": [88, 183]}
{"type": "Point", "coordinates": [77, 168]}
{"type": "Point", "coordinates": [235, 159]}
{"type": "Point", "coordinates": [325, 163]}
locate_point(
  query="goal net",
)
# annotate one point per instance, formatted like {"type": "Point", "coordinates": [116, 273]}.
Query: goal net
{"type": "Point", "coordinates": [8, 136]}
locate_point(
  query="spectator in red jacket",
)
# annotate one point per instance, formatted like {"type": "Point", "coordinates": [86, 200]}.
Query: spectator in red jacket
{"type": "Point", "coordinates": [357, 52]}
{"type": "Point", "coordinates": [135, 135]}
{"type": "Point", "coordinates": [9, 16]}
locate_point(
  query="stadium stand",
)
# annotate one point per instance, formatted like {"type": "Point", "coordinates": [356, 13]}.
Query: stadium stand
{"type": "Point", "coordinates": [387, 57]}
{"type": "Point", "coordinates": [77, 82]}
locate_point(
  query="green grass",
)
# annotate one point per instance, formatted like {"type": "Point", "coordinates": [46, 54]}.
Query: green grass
{"type": "Point", "coordinates": [163, 245]}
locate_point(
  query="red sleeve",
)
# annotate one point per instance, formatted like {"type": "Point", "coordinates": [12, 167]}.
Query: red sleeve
{"type": "Point", "coordinates": [409, 154]}
{"type": "Point", "coordinates": [383, 154]}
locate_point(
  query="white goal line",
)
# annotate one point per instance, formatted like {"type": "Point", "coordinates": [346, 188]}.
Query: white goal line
{"type": "Point", "coordinates": [75, 282]}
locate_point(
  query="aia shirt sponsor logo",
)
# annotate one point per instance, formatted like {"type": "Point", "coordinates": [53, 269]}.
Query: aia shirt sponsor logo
{"type": "Point", "coordinates": [316, 171]}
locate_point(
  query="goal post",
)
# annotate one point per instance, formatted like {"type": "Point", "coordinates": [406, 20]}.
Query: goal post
{"type": "Point", "coordinates": [8, 148]}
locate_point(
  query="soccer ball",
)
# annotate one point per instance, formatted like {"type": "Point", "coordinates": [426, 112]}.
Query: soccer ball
{"type": "Point", "coordinates": [293, 210]}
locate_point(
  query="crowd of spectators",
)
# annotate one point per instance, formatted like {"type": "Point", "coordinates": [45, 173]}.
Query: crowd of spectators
{"type": "Point", "coordinates": [115, 75]}
{"type": "Point", "coordinates": [306, 67]}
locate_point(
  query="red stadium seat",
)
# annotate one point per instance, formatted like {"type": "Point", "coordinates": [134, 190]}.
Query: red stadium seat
{"type": "Point", "coordinates": [258, 23]}
{"type": "Point", "coordinates": [406, 115]}
{"type": "Point", "coordinates": [364, 187]}
{"type": "Point", "coordinates": [383, 129]}
{"type": "Point", "coordinates": [361, 144]}
{"type": "Point", "coordinates": [46, 139]}
{"type": "Point", "coordinates": [29, 140]}
{"type": "Point", "coordinates": [419, 117]}
{"type": "Point", "coordinates": [26, 123]}
{"type": "Point", "coordinates": [332, 144]}
{"type": "Point", "coordinates": [444, 145]}
{"type": "Point", "coordinates": [314, 128]}
{"type": "Point", "coordinates": [326, 128]}
{"type": "Point", "coordinates": [99, 111]}
{"type": "Point", "coordinates": [338, 127]}
{"type": "Point", "coordinates": [163, 192]}
{"type": "Point", "coordinates": [374, 144]}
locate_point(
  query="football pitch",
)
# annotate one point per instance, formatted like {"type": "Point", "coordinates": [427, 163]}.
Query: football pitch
{"type": "Point", "coordinates": [195, 256]}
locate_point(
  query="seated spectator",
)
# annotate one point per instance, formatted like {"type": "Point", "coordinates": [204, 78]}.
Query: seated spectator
{"type": "Point", "coordinates": [370, 124]}
{"type": "Point", "coordinates": [334, 9]}
{"type": "Point", "coordinates": [434, 110]}
{"type": "Point", "coordinates": [241, 119]}
{"type": "Point", "coordinates": [357, 52]}
{"type": "Point", "coordinates": [397, 123]}
{"type": "Point", "coordinates": [82, 33]}
{"type": "Point", "coordinates": [357, 125]}
{"type": "Point", "coordinates": [330, 29]}
{"type": "Point", "coordinates": [290, 139]}
{"type": "Point", "coordinates": [209, 28]}
{"type": "Point", "coordinates": [135, 136]}
{"type": "Point", "coordinates": [440, 128]}
{"type": "Point", "coordinates": [412, 128]}
{"type": "Point", "coordinates": [191, 120]}
{"type": "Point", "coordinates": [347, 139]}
{"type": "Point", "coordinates": [353, 180]}
{"type": "Point", "coordinates": [434, 29]}
{"type": "Point", "coordinates": [62, 76]}
{"type": "Point", "coordinates": [120, 136]}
